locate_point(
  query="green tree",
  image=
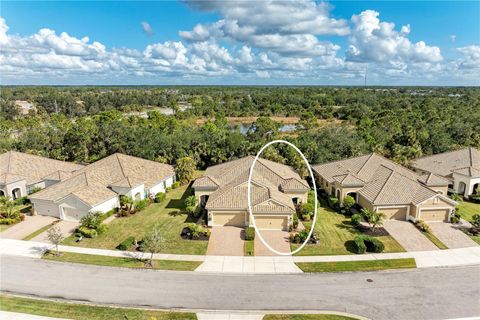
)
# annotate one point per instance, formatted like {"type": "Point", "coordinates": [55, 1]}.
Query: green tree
{"type": "Point", "coordinates": [55, 236]}
{"type": "Point", "coordinates": [374, 218]}
{"type": "Point", "coordinates": [185, 169]}
{"type": "Point", "coordinates": [153, 243]}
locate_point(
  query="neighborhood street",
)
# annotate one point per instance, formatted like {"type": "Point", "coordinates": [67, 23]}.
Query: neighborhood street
{"type": "Point", "coordinates": [431, 293]}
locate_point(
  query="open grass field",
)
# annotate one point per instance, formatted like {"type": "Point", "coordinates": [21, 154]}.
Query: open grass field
{"type": "Point", "coordinates": [82, 311]}
{"type": "Point", "coordinates": [169, 216]}
{"type": "Point", "coordinates": [335, 233]}
{"type": "Point", "coordinates": [122, 262]}
{"type": "Point", "coordinates": [365, 265]}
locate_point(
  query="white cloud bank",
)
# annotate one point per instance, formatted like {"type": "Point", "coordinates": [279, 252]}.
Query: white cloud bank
{"type": "Point", "coordinates": [272, 42]}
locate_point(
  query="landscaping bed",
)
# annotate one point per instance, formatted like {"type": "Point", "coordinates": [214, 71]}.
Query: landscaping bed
{"type": "Point", "coordinates": [77, 311]}
{"type": "Point", "coordinates": [169, 217]}
{"type": "Point", "coordinates": [369, 265]}
{"type": "Point", "coordinates": [121, 261]}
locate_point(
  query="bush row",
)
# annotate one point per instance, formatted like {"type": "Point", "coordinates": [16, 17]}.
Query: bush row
{"type": "Point", "coordinates": [126, 244]}
{"type": "Point", "coordinates": [363, 243]}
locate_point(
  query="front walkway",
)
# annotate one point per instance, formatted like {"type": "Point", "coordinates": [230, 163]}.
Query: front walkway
{"type": "Point", "coordinates": [23, 316]}
{"type": "Point", "coordinates": [408, 236]}
{"type": "Point", "coordinates": [66, 228]}
{"type": "Point", "coordinates": [278, 240]}
{"type": "Point", "coordinates": [450, 236]}
{"type": "Point", "coordinates": [26, 227]}
{"type": "Point", "coordinates": [226, 241]}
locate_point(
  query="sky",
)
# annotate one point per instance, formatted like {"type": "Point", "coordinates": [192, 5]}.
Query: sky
{"type": "Point", "coordinates": [298, 42]}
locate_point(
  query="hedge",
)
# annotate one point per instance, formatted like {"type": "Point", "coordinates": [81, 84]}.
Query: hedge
{"type": "Point", "coordinates": [249, 233]}
{"type": "Point", "coordinates": [126, 244]}
{"type": "Point", "coordinates": [87, 232]}
{"type": "Point", "coordinates": [160, 197]}
{"type": "Point", "coordinates": [363, 243]}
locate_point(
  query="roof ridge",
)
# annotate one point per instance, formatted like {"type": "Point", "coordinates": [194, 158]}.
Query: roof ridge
{"type": "Point", "coordinates": [446, 152]}
{"type": "Point", "coordinates": [340, 160]}
{"type": "Point", "coordinates": [120, 164]}
{"type": "Point", "coordinates": [365, 163]}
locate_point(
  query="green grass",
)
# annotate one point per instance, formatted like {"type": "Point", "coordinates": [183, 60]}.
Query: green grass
{"type": "Point", "coordinates": [435, 240]}
{"type": "Point", "coordinates": [4, 227]}
{"type": "Point", "coordinates": [36, 233]}
{"type": "Point", "coordinates": [335, 234]}
{"type": "Point", "coordinates": [169, 216]}
{"type": "Point", "coordinates": [368, 265]}
{"type": "Point", "coordinates": [468, 209]}
{"type": "Point", "coordinates": [306, 317]}
{"type": "Point", "coordinates": [122, 262]}
{"type": "Point", "coordinates": [249, 247]}
{"type": "Point", "coordinates": [476, 239]}
{"type": "Point", "coordinates": [82, 312]}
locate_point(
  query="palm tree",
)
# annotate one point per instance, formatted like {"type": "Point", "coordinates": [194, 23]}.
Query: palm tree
{"type": "Point", "coordinates": [8, 209]}
{"type": "Point", "coordinates": [373, 217]}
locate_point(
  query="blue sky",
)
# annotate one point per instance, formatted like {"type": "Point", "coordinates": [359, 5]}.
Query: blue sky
{"type": "Point", "coordinates": [240, 42]}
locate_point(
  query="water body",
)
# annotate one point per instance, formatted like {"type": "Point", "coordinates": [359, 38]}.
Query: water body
{"type": "Point", "coordinates": [244, 127]}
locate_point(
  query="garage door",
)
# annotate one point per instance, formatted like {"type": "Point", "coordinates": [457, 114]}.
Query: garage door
{"type": "Point", "coordinates": [229, 219]}
{"type": "Point", "coordinates": [74, 214]}
{"type": "Point", "coordinates": [394, 213]}
{"type": "Point", "coordinates": [271, 223]}
{"type": "Point", "coordinates": [434, 215]}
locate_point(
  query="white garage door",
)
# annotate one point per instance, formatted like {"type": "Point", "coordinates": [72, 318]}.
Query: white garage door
{"type": "Point", "coordinates": [71, 214]}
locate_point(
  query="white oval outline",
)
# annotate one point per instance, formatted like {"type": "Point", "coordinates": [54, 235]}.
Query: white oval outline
{"type": "Point", "coordinates": [249, 200]}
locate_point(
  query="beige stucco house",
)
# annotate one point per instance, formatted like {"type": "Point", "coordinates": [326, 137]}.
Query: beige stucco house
{"type": "Point", "coordinates": [20, 173]}
{"type": "Point", "coordinates": [276, 188]}
{"type": "Point", "coordinates": [98, 186]}
{"type": "Point", "coordinates": [461, 168]}
{"type": "Point", "coordinates": [379, 184]}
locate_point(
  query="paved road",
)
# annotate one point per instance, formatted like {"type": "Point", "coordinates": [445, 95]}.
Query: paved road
{"type": "Point", "coordinates": [434, 293]}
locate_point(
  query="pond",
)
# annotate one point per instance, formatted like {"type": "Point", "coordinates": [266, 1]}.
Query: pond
{"type": "Point", "coordinates": [244, 127]}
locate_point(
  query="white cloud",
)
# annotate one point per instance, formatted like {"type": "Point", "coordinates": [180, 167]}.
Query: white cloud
{"type": "Point", "coordinates": [147, 28]}
{"type": "Point", "coordinates": [374, 41]}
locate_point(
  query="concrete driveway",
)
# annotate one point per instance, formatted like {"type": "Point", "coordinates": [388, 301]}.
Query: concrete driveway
{"type": "Point", "coordinates": [26, 227]}
{"type": "Point", "coordinates": [226, 241]}
{"type": "Point", "coordinates": [409, 237]}
{"type": "Point", "coordinates": [450, 236]}
{"type": "Point", "coordinates": [277, 239]}
{"type": "Point", "coordinates": [66, 227]}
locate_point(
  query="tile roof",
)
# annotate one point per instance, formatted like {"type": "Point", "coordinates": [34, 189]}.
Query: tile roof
{"type": "Point", "coordinates": [383, 181]}
{"type": "Point", "coordinates": [464, 161]}
{"type": "Point", "coordinates": [91, 183]}
{"type": "Point", "coordinates": [268, 179]}
{"type": "Point", "coordinates": [432, 179]}
{"type": "Point", "coordinates": [16, 166]}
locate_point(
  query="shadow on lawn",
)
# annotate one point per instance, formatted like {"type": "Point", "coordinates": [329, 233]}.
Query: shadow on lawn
{"type": "Point", "coordinates": [180, 203]}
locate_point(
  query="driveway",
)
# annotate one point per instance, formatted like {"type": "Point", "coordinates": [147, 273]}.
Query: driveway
{"type": "Point", "coordinates": [278, 240]}
{"type": "Point", "coordinates": [66, 227]}
{"type": "Point", "coordinates": [450, 236]}
{"type": "Point", "coordinates": [26, 227]}
{"type": "Point", "coordinates": [226, 241]}
{"type": "Point", "coordinates": [408, 236]}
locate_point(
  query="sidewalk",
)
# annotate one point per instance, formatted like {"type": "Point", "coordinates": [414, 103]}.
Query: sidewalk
{"type": "Point", "coordinates": [277, 264]}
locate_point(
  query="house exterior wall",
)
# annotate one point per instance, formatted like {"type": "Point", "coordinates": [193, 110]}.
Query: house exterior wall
{"type": "Point", "coordinates": [49, 183]}
{"type": "Point", "coordinates": [75, 204]}
{"type": "Point", "coordinates": [169, 181]}
{"type": "Point", "coordinates": [302, 196]}
{"type": "Point", "coordinates": [364, 203]}
{"type": "Point", "coordinates": [139, 189]}
{"type": "Point", "coordinates": [442, 189]}
{"type": "Point", "coordinates": [211, 215]}
{"type": "Point", "coordinates": [199, 193]}
{"type": "Point", "coordinates": [434, 203]}
{"type": "Point", "coordinates": [469, 182]}
{"type": "Point", "coordinates": [160, 187]}
{"type": "Point", "coordinates": [107, 205]}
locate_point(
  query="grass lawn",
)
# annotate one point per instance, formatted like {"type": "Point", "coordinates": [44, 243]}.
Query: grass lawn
{"type": "Point", "coordinates": [168, 216]}
{"type": "Point", "coordinates": [4, 227]}
{"type": "Point", "coordinates": [435, 240]}
{"type": "Point", "coordinates": [122, 262]}
{"type": "Point", "coordinates": [36, 233]}
{"type": "Point", "coordinates": [305, 317]}
{"type": "Point", "coordinates": [335, 233]}
{"type": "Point", "coordinates": [249, 247]}
{"type": "Point", "coordinates": [81, 311]}
{"type": "Point", "coordinates": [468, 209]}
{"type": "Point", "coordinates": [368, 265]}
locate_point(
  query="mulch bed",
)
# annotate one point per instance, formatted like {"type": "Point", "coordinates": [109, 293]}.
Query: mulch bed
{"type": "Point", "coordinates": [379, 231]}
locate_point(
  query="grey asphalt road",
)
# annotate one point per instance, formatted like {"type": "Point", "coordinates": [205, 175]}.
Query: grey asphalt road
{"type": "Point", "coordinates": [434, 293]}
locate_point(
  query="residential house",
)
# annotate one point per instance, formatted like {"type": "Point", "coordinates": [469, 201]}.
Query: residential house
{"type": "Point", "coordinates": [21, 173]}
{"type": "Point", "coordinates": [275, 189]}
{"type": "Point", "coordinates": [98, 186]}
{"type": "Point", "coordinates": [382, 185]}
{"type": "Point", "coordinates": [461, 168]}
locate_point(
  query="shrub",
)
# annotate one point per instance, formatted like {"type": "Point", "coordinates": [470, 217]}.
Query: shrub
{"type": "Point", "coordinates": [333, 202]}
{"type": "Point", "coordinates": [306, 217]}
{"type": "Point", "coordinates": [102, 228]}
{"type": "Point", "coordinates": [348, 202]}
{"type": "Point", "coordinates": [249, 233]}
{"type": "Point", "coordinates": [126, 244]}
{"type": "Point", "coordinates": [86, 232]}
{"type": "Point", "coordinates": [456, 197]}
{"type": "Point", "coordinates": [21, 201]}
{"type": "Point", "coordinates": [295, 221]}
{"type": "Point", "coordinates": [422, 226]}
{"type": "Point", "coordinates": [191, 201]}
{"type": "Point", "coordinates": [160, 197]}
{"type": "Point", "coordinates": [308, 208]}
{"type": "Point", "coordinates": [455, 217]}
{"type": "Point", "coordinates": [141, 204]}
{"type": "Point", "coordinates": [196, 230]}
{"type": "Point", "coordinates": [176, 184]}
{"type": "Point", "coordinates": [355, 219]}
{"type": "Point", "coordinates": [8, 221]}
{"type": "Point", "coordinates": [476, 220]}
{"type": "Point", "coordinates": [92, 220]}
{"type": "Point", "coordinates": [363, 243]}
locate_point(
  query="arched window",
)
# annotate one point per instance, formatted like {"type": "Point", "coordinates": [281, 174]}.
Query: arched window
{"type": "Point", "coordinates": [138, 196]}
